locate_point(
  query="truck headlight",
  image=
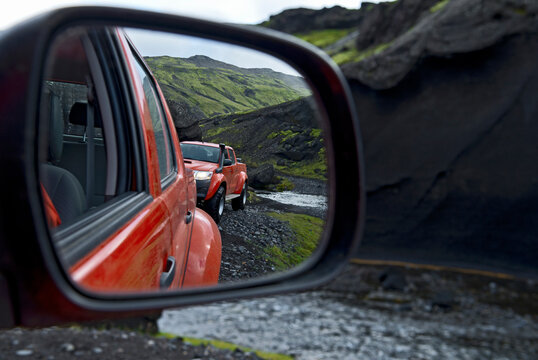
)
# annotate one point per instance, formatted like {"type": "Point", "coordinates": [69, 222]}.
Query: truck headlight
{"type": "Point", "coordinates": [202, 175]}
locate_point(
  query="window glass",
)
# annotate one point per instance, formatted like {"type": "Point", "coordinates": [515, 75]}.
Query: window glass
{"type": "Point", "coordinates": [200, 152]}
{"type": "Point", "coordinates": [75, 170]}
{"type": "Point", "coordinates": [232, 155]}
{"type": "Point", "coordinates": [160, 129]}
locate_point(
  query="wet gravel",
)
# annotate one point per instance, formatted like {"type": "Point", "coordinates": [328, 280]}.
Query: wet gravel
{"type": "Point", "coordinates": [83, 343]}
{"type": "Point", "coordinates": [246, 234]}
{"type": "Point", "coordinates": [432, 315]}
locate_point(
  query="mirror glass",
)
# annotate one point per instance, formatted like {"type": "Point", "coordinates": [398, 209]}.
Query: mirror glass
{"type": "Point", "coordinates": [169, 161]}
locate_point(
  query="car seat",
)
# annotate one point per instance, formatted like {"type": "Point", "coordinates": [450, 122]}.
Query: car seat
{"type": "Point", "coordinates": [62, 187]}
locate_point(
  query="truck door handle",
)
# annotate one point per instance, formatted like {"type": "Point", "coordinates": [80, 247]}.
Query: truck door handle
{"type": "Point", "coordinates": [168, 276]}
{"type": "Point", "coordinates": [189, 217]}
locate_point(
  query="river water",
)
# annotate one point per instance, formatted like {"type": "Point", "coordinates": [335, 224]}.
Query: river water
{"type": "Point", "coordinates": [329, 325]}
{"type": "Point", "coordinates": [296, 199]}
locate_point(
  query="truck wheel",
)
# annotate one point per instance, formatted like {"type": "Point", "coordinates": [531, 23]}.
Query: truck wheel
{"type": "Point", "coordinates": [215, 205]}
{"type": "Point", "coordinates": [239, 202]}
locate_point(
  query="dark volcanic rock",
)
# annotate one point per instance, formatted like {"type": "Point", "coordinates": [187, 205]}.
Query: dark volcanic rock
{"type": "Point", "coordinates": [279, 132]}
{"type": "Point", "coordinates": [262, 176]}
{"type": "Point", "coordinates": [186, 119]}
{"type": "Point", "coordinates": [444, 299]}
{"type": "Point", "coordinates": [448, 116]}
{"type": "Point", "coordinates": [386, 21]}
{"type": "Point", "coordinates": [462, 26]}
{"type": "Point", "coordinates": [392, 279]}
{"type": "Point", "coordinates": [303, 20]}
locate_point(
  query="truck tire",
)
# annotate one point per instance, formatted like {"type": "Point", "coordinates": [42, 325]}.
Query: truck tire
{"type": "Point", "coordinates": [239, 202]}
{"type": "Point", "coordinates": [215, 205]}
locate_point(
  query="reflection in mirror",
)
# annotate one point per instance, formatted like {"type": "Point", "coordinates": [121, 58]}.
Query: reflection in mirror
{"type": "Point", "coordinates": [171, 161]}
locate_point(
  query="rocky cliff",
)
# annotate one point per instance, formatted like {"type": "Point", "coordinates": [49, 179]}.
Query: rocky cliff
{"type": "Point", "coordinates": [303, 20]}
{"type": "Point", "coordinates": [286, 137]}
{"type": "Point", "coordinates": [448, 106]}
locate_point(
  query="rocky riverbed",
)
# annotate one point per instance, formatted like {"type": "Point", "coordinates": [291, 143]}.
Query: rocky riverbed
{"type": "Point", "coordinates": [368, 312]}
{"type": "Point", "coordinates": [247, 234]}
{"type": "Point", "coordinates": [379, 313]}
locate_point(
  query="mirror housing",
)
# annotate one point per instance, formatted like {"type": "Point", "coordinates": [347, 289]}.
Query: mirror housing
{"type": "Point", "coordinates": [36, 291]}
{"type": "Point", "coordinates": [227, 162]}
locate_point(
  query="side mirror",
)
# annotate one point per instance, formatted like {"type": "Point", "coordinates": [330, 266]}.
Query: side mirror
{"type": "Point", "coordinates": [227, 162]}
{"type": "Point", "coordinates": [47, 277]}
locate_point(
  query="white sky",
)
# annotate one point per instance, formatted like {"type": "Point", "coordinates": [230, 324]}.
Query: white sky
{"type": "Point", "coordinates": [237, 11]}
{"type": "Point", "coordinates": [233, 11]}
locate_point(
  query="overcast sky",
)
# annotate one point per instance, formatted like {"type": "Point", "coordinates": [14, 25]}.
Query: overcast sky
{"type": "Point", "coordinates": [238, 11]}
{"type": "Point", "coordinates": [234, 11]}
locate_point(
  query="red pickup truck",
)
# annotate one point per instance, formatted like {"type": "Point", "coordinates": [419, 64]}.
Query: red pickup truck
{"type": "Point", "coordinates": [120, 203]}
{"type": "Point", "coordinates": [219, 175]}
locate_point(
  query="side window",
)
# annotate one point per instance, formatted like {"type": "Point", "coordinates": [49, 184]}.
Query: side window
{"type": "Point", "coordinates": [88, 168]}
{"type": "Point", "coordinates": [232, 155]}
{"type": "Point", "coordinates": [160, 127]}
{"type": "Point", "coordinates": [226, 155]}
{"type": "Point", "coordinates": [79, 171]}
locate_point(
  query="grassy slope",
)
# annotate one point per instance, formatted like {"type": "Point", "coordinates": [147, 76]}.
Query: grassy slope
{"type": "Point", "coordinates": [255, 143]}
{"type": "Point", "coordinates": [322, 38]}
{"type": "Point", "coordinates": [220, 90]}
{"type": "Point", "coordinates": [308, 231]}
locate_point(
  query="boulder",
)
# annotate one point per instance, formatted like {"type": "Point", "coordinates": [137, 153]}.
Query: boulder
{"type": "Point", "coordinates": [392, 279]}
{"type": "Point", "coordinates": [387, 20]}
{"type": "Point", "coordinates": [262, 176]}
{"type": "Point", "coordinates": [444, 299]}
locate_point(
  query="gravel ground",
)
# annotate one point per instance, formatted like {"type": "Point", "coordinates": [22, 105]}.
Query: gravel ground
{"type": "Point", "coordinates": [246, 233]}
{"type": "Point", "coordinates": [81, 343]}
{"type": "Point", "coordinates": [410, 314]}
{"type": "Point", "coordinates": [367, 312]}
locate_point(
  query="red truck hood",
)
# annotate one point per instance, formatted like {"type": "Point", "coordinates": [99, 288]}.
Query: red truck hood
{"type": "Point", "coordinates": [200, 165]}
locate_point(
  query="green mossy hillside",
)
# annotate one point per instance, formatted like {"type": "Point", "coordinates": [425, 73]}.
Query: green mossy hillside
{"type": "Point", "coordinates": [323, 38]}
{"type": "Point", "coordinates": [217, 88]}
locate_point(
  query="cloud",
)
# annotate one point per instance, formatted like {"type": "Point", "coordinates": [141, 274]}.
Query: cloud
{"type": "Point", "coordinates": [237, 11]}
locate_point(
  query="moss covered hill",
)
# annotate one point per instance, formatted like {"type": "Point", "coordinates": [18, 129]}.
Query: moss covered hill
{"type": "Point", "coordinates": [352, 35]}
{"type": "Point", "coordinates": [286, 136]}
{"type": "Point", "coordinates": [207, 87]}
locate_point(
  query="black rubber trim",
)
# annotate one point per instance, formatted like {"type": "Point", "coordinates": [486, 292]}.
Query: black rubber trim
{"type": "Point", "coordinates": [75, 241]}
{"type": "Point", "coordinates": [133, 123]}
{"type": "Point", "coordinates": [103, 48]}
{"type": "Point", "coordinates": [168, 180]}
{"type": "Point", "coordinates": [151, 76]}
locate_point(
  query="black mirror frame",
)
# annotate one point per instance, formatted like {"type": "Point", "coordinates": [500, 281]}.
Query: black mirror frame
{"type": "Point", "coordinates": [36, 289]}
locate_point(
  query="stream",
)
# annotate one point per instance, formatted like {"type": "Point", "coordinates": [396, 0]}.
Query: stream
{"type": "Point", "coordinates": [296, 199]}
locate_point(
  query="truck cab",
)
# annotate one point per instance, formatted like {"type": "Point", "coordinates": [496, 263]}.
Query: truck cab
{"type": "Point", "coordinates": [121, 204]}
{"type": "Point", "coordinates": [219, 175]}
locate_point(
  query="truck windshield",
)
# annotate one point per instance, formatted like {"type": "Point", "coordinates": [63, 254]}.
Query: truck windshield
{"type": "Point", "coordinates": [200, 152]}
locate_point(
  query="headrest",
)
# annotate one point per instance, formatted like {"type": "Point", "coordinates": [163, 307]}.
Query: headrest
{"type": "Point", "coordinates": [78, 115]}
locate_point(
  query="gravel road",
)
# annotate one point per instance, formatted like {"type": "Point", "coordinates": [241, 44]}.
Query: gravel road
{"type": "Point", "coordinates": [410, 315]}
